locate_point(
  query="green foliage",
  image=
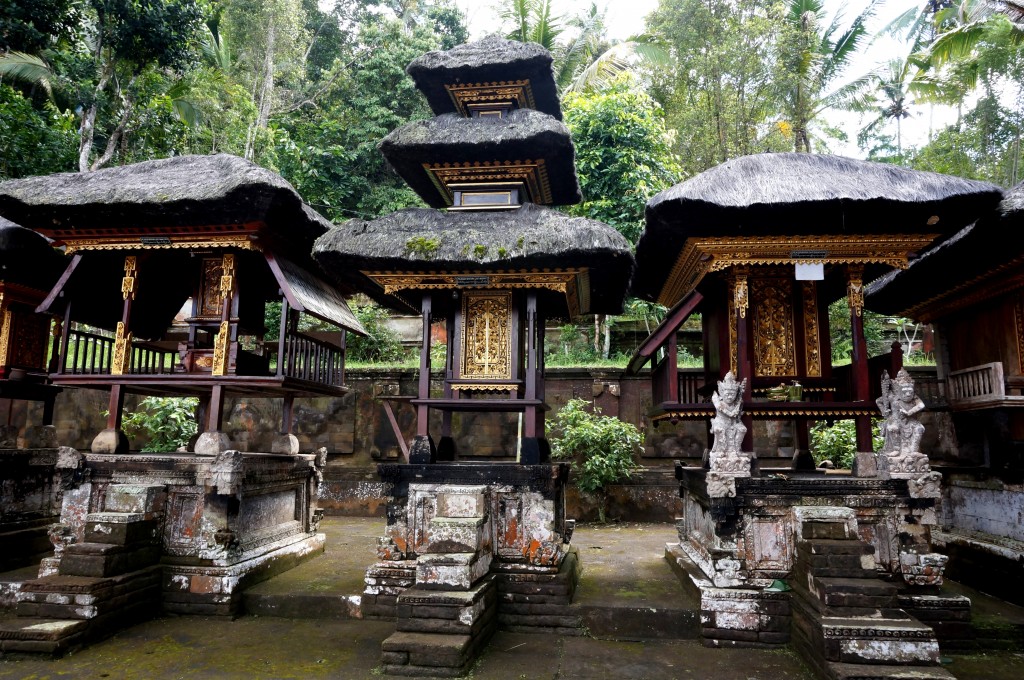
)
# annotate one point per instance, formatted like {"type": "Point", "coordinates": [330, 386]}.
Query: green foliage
{"type": "Point", "coordinates": [168, 423]}
{"type": "Point", "coordinates": [35, 141]}
{"type": "Point", "coordinates": [602, 448]}
{"type": "Point", "coordinates": [842, 336]}
{"type": "Point", "coordinates": [574, 348]}
{"type": "Point", "coordinates": [382, 345]}
{"type": "Point", "coordinates": [423, 246]}
{"type": "Point", "coordinates": [32, 25]}
{"type": "Point", "coordinates": [623, 155]}
{"type": "Point", "coordinates": [837, 442]}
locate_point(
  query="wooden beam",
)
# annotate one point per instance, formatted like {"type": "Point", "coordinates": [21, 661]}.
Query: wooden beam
{"type": "Point", "coordinates": [675, 318]}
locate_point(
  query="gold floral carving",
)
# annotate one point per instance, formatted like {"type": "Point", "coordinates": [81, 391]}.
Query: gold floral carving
{"type": "Point", "coordinates": [741, 296]}
{"type": "Point", "coordinates": [227, 278]}
{"type": "Point", "coordinates": [210, 303]}
{"type": "Point", "coordinates": [120, 363]}
{"type": "Point", "coordinates": [5, 337]}
{"type": "Point", "coordinates": [533, 174]}
{"type": "Point", "coordinates": [128, 282]}
{"type": "Point", "coordinates": [220, 349]}
{"type": "Point", "coordinates": [1018, 322]}
{"type": "Point", "coordinates": [477, 387]}
{"type": "Point", "coordinates": [774, 353]}
{"type": "Point", "coordinates": [558, 280]}
{"type": "Point", "coordinates": [812, 338]}
{"type": "Point", "coordinates": [465, 94]}
{"type": "Point", "coordinates": [733, 334]}
{"type": "Point", "coordinates": [703, 255]}
{"type": "Point", "coordinates": [487, 335]}
{"type": "Point", "coordinates": [855, 290]}
{"type": "Point", "coordinates": [240, 241]}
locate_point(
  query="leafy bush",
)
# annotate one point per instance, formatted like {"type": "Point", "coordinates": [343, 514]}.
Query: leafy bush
{"type": "Point", "coordinates": [382, 345]}
{"type": "Point", "coordinates": [601, 448]}
{"type": "Point", "coordinates": [838, 442]}
{"type": "Point", "coordinates": [168, 423]}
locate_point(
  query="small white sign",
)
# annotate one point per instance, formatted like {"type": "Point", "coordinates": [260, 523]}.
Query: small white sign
{"type": "Point", "coordinates": [810, 271]}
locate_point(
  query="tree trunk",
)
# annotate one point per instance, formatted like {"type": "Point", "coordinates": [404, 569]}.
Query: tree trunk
{"type": "Point", "coordinates": [266, 91]}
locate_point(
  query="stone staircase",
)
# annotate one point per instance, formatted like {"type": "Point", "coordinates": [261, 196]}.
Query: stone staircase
{"type": "Point", "coordinates": [847, 622]}
{"type": "Point", "coordinates": [111, 579]}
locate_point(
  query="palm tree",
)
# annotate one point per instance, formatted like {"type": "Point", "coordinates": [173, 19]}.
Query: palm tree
{"type": "Point", "coordinates": [894, 92]}
{"type": "Point", "coordinates": [588, 60]}
{"type": "Point", "coordinates": [816, 57]}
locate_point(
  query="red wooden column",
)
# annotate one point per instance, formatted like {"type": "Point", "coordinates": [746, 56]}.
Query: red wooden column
{"type": "Point", "coordinates": [112, 439]}
{"type": "Point", "coordinates": [859, 369]}
{"type": "Point", "coordinates": [423, 450]}
{"type": "Point", "coordinates": [745, 366]}
{"type": "Point", "coordinates": [534, 446]}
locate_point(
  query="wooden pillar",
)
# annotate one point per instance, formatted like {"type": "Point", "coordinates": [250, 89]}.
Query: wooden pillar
{"type": "Point", "coordinates": [226, 335]}
{"type": "Point", "coordinates": [286, 413]}
{"type": "Point", "coordinates": [533, 449]}
{"type": "Point", "coordinates": [745, 367]}
{"type": "Point", "coordinates": [282, 338]}
{"type": "Point", "coordinates": [215, 409]}
{"type": "Point", "coordinates": [121, 361]}
{"type": "Point", "coordinates": [859, 368]}
{"type": "Point", "coordinates": [423, 449]}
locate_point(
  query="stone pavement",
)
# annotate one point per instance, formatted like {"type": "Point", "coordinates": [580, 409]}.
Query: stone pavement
{"type": "Point", "coordinates": [305, 627]}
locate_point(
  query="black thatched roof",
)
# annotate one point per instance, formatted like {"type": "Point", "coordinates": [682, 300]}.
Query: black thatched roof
{"type": "Point", "coordinates": [182, 191]}
{"type": "Point", "coordinates": [802, 194]}
{"type": "Point", "coordinates": [981, 252]}
{"type": "Point", "coordinates": [28, 259]}
{"type": "Point", "coordinates": [531, 237]}
{"type": "Point", "coordinates": [490, 60]}
{"type": "Point", "coordinates": [522, 135]}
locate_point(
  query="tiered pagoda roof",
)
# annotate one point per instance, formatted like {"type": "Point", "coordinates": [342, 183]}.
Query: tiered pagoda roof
{"type": "Point", "coordinates": [496, 152]}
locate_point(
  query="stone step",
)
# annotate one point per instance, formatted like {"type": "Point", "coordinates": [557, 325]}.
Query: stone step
{"type": "Point", "coordinates": [119, 528]}
{"type": "Point", "coordinates": [850, 671]}
{"type": "Point", "coordinates": [104, 559]}
{"type": "Point", "coordinates": [30, 635]}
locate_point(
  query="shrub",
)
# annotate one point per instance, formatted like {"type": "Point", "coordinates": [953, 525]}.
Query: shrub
{"type": "Point", "coordinates": [382, 345]}
{"type": "Point", "coordinates": [837, 442]}
{"type": "Point", "coordinates": [168, 423]}
{"type": "Point", "coordinates": [601, 449]}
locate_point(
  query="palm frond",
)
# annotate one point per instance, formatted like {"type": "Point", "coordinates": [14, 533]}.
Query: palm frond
{"type": "Point", "coordinates": [27, 68]}
{"type": "Point", "coordinates": [958, 43]}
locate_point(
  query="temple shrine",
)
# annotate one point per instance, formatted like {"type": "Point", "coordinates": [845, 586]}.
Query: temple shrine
{"type": "Point", "coordinates": [839, 564]}
{"type": "Point", "coordinates": [493, 262]}
{"type": "Point", "coordinates": [172, 266]}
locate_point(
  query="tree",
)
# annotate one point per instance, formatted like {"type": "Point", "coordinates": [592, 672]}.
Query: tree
{"type": "Point", "coordinates": [891, 100]}
{"type": "Point", "coordinates": [814, 56]}
{"type": "Point", "coordinates": [35, 141]}
{"type": "Point", "coordinates": [721, 91]}
{"type": "Point", "coordinates": [623, 155]}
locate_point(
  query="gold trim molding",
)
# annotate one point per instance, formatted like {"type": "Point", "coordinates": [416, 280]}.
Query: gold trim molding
{"type": "Point", "coordinates": [220, 349]}
{"type": "Point", "coordinates": [701, 256]}
{"type": "Point", "coordinates": [120, 362]}
{"type": "Point", "coordinates": [812, 339]}
{"type": "Point", "coordinates": [479, 387]}
{"type": "Point", "coordinates": [5, 336]}
{"type": "Point", "coordinates": [564, 281]}
{"type": "Point", "coordinates": [533, 174]}
{"type": "Point", "coordinates": [240, 241]}
{"type": "Point", "coordinates": [466, 94]}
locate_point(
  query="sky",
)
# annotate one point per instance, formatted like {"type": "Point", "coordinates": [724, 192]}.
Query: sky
{"type": "Point", "coordinates": [625, 18]}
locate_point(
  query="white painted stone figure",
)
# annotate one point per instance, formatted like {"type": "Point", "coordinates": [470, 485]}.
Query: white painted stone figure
{"type": "Point", "coordinates": [726, 427]}
{"type": "Point", "coordinates": [900, 406]}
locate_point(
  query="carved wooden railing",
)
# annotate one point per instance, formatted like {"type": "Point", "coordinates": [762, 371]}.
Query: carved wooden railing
{"type": "Point", "coordinates": [977, 385]}
{"type": "Point", "coordinates": [310, 359]}
{"type": "Point", "coordinates": [92, 354]}
{"type": "Point", "coordinates": [691, 381]}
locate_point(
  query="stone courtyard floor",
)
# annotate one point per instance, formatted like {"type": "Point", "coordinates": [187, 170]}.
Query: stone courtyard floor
{"type": "Point", "coordinates": [303, 627]}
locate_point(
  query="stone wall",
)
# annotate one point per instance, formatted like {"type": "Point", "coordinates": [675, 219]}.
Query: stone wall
{"type": "Point", "coordinates": [357, 434]}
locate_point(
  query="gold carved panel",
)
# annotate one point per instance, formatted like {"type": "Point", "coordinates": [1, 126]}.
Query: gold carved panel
{"type": "Point", "coordinates": [812, 335]}
{"type": "Point", "coordinates": [774, 352]}
{"type": "Point", "coordinates": [487, 335]}
{"type": "Point", "coordinates": [209, 288]}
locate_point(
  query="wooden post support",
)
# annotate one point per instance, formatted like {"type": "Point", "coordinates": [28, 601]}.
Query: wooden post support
{"type": "Point", "coordinates": [859, 368]}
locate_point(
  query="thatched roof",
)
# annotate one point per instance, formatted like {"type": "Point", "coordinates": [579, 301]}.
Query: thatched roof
{"type": "Point", "coordinates": [28, 259]}
{"type": "Point", "coordinates": [418, 240]}
{"type": "Point", "coordinates": [490, 60]}
{"type": "Point", "coordinates": [181, 191]}
{"type": "Point", "coordinates": [522, 135]}
{"type": "Point", "coordinates": [976, 257]}
{"type": "Point", "coordinates": [802, 194]}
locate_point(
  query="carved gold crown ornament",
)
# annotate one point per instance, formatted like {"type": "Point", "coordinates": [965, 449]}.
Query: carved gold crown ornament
{"type": "Point", "coordinates": [700, 256]}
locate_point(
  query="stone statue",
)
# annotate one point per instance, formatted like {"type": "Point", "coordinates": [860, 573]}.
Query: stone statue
{"type": "Point", "coordinates": [900, 406]}
{"type": "Point", "coordinates": [726, 426]}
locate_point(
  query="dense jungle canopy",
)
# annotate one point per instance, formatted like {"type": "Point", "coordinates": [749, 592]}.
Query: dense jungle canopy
{"type": "Point", "coordinates": [307, 88]}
